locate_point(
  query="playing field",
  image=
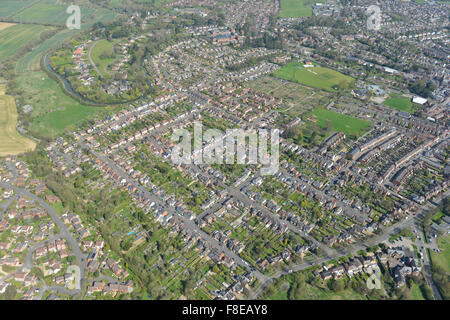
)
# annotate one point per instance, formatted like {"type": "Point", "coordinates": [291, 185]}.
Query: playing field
{"type": "Point", "coordinates": [334, 121]}
{"type": "Point", "coordinates": [296, 8]}
{"type": "Point", "coordinates": [317, 77]}
{"type": "Point", "coordinates": [17, 36]}
{"type": "Point", "coordinates": [400, 103]}
{"type": "Point", "coordinates": [11, 142]}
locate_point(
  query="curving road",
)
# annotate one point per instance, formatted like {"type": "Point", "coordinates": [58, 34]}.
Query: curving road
{"type": "Point", "coordinates": [64, 233]}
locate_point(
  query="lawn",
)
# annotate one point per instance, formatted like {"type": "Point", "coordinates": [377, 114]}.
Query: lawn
{"type": "Point", "coordinates": [400, 103]}
{"type": "Point", "coordinates": [334, 121]}
{"type": "Point", "coordinates": [317, 77]}
{"type": "Point", "coordinates": [11, 142]}
{"type": "Point", "coordinates": [54, 112]}
{"type": "Point", "coordinates": [16, 36]}
{"type": "Point", "coordinates": [296, 8]}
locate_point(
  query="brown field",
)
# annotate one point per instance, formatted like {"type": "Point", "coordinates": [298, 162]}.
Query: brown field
{"type": "Point", "coordinates": [11, 142]}
{"type": "Point", "coordinates": [4, 25]}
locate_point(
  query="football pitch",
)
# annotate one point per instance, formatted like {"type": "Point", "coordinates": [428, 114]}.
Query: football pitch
{"type": "Point", "coordinates": [315, 76]}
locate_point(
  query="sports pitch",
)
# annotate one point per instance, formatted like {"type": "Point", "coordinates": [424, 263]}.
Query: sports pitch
{"type": "Point", "coordinates": [296, 8]}
{"type": "Point", "coordinates": [317, 77]}
{"type": "Point", "coordinates": [338, 122]}
{"type": "Point", "coordinates": [400, 103]}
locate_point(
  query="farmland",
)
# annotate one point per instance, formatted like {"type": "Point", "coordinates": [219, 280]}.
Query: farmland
{"type": "Point", "coordinates": [10, 7]}
{"type": "Point", "coordinates": [317, 77]}
{"type": "Point", "coordinates": [400, 103]}
{"type": "Point", "coordinates": [11, 142]}
{"type": "Point", "coordinates": [17, 36]}
{"type": "Point", "coordinates": [49, 12]}
{"type": "Point", "coordinates": [5, 25]}
{"type": "Point", "coordinates": [296, 8]}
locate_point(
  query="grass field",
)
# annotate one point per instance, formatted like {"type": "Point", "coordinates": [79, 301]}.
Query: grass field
{"type": "Point", "coordinates": [17, 36]}
{"type": "Point", "coordinates": [317, 77]}
{"type": "Point", "coordinates": [10, 7]}
{"type": "Point", "coordinates": [443, 258]}
{"type": "Point", "coordinates": [296, 8]}
{"type": "Point", "coordinates": [54, 112]}
{"type": "Point", "coordinates": [11, 142]}
{"type": "Point", "coordinates": [47, 12]}
{"type": "Point", "coordinates": [54, 13]}
{"type": "Point", "coordinates": [338, 122]}
{"type": "Point", "coordinates": [400, 103]}
{"type": "Point", "coordinates": [99, 48]}
{"type": "Point", "coordinates": [310, 292]}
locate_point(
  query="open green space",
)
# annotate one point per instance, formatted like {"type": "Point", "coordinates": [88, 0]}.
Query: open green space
{"type": "Point", "coordinates": [398, 102]}
{"type": "Point", "coordinates": [15, 37]}
{"type": "Point", "coordinates": [102, 55]}
{"type": "Point", "coordinates": [442, 258]}
{"type": "Point", "coordinates": [54, 112]}
{"type": "Point", "coordinates": [296, 8]}
{"type": "Point", "coordinates": [334, 121]}
{"type": "Point", "coordinates": [440, 262]}
{"type": "Point", "coordinates": [52, 12]}
{"type": "Point", "coordinates": [317, 77]}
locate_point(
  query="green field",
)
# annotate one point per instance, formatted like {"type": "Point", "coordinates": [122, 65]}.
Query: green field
{"type": "Point", "coordinates": [334, 121]}
{"type": "Point", "coordinates": [400, 103]}
{"type": "Point", "coordinates": [317, 77]}
{"type": "Point", "coordinates": [53, 13]}
{"type": "Point", "coordinates": [296, 8]}
{"type": "Point", "coordinates": [54, 112]}
{"type": "Point", "coordinates": [103, 46]}
{"type": "Point", "coordinates": [441, 266]}
{"type": "Point", "coordinates": [17, 36]}
{"type": "Point", "coordinates": [9, 7]}
{"type": "Point", "coordinates": [443, 258]}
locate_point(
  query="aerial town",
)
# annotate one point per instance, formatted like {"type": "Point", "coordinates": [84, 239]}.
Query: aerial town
{"type": "Point", "coordinates": [94, 207]}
